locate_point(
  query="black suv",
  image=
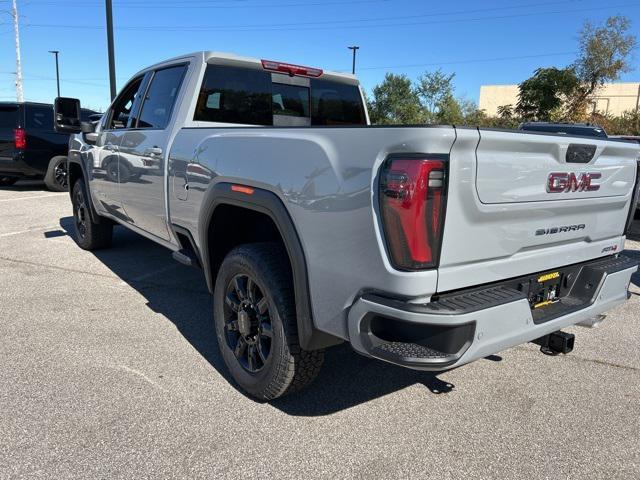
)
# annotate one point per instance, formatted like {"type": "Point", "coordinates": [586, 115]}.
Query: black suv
{"type": "Point", "coordinates": [30, 147]}
{"type": "Point", "coordinates": [584, 129]}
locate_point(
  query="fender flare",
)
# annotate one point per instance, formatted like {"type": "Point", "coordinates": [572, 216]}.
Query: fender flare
{"type": "Point", "coordinates": [268, 203]}
{"type": "Point", "coordinates": [75, 158]}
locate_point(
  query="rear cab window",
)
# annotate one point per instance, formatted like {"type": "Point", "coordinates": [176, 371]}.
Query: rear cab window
{"type": "Point", "coordinates": [9, 117]}
{"type": "Point", "coordinates": [248, 96]}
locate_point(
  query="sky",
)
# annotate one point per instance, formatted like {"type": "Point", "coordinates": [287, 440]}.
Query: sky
{"type": "Point", "coordinates": [482, 42]}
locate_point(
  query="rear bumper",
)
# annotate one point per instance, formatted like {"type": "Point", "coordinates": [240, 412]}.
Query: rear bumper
{"type": "Point", "coordinates": [16, 166]}
{"type": "Point", "coordinates": [473, 324]}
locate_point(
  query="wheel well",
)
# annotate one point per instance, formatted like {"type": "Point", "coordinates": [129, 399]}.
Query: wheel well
{"type": "Point", "coordinates": [231, 226]}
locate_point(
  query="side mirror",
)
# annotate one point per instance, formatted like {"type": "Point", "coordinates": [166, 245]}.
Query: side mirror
{"type": "Point", "coordinates": [66, 115]}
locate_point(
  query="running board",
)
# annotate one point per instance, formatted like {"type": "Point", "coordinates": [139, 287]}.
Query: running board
{"type": "Point", "coordinates": [185, 257]}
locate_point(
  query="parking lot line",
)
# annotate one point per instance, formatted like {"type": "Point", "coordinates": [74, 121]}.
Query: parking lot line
{"type": "Point", "coordinates": [30, 197]}
{"type": "Point", "coordinates": [29, 230]}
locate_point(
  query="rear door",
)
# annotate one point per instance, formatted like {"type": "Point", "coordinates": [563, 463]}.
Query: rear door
{"type": "Point", "coordinates": [520, 203]}
{"type": "Point", "coordinates": [143, 153]}
{"type": "Point", "coordinates": [9, 121]}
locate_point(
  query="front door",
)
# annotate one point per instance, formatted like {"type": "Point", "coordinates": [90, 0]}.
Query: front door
{"type": "Point", "coordinates": [104, 174]}
{"type": "Point", "coordinates": [143, 154]}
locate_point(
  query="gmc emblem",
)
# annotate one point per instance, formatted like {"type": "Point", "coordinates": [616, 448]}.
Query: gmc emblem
{"type": "Point", "coordinates": [562, 182]}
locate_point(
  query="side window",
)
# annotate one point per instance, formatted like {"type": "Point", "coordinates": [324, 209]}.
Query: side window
{"type": "Point", "coordinates": [161, 97]}
{"type": "Point", "coordinates": [39, 117]}
{"type": "Point", "coordinates": [123, 106]}
{"type": "Point", "coordinates": [235, 95]}
{"type": "Point", "coordinates": [335, 103]}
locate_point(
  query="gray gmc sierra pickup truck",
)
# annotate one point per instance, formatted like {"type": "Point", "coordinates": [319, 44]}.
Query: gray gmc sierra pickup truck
{"type": "Point", "coordinates": [427, 247]}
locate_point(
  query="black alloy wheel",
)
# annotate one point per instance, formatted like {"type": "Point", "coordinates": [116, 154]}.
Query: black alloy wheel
{"type": "Point", "coordinates": [247, 323]}
{"type": "Point", "coordinates": [61, 175]}
{"type": "Point", "coordinates": [80, 213]}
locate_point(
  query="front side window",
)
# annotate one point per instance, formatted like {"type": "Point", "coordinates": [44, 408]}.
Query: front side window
{"type": "Point", "coordinates": [235, 95]}
{"type": "Point", "coordinates": [121, 112]}
{"type": "Point", "coordinates": [161, 97]}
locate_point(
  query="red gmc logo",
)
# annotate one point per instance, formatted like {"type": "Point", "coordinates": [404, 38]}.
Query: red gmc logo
{"type": "Point", "coordinates": [562, 182]}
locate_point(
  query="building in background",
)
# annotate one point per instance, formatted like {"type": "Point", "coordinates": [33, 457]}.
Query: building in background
{"type": "Point", "coordinates": [611, 98]}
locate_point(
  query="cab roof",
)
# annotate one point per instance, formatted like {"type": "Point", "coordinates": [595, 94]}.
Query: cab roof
{"type": "Point", "coordinates": [225, 58]}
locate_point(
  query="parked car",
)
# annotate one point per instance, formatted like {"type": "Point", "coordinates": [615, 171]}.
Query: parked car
{"type": "Point", "coordinates": [427, 247]}
{"type": "Point", "coordinates": [582, 129]}
{"type": "Point", "coordinates": [30, 148]}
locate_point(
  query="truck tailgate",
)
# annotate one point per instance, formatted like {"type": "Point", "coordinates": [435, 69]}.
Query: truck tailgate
{"type": "Point", "coordinates": [516, 168]}
{"type": "Point", "coordinates": [518, 203]}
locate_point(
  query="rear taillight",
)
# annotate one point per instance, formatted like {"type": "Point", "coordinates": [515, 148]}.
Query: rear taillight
{"type": "Point", "coordinates": [412, 203]}
{"type": "Point", "coordinates": [634, 201]}
{"type": "Point", "coordinates": [20, 138]}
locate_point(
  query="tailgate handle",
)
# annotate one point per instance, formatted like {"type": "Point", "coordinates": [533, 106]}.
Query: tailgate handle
{"type": "Point", "coordinates": [579, 153]}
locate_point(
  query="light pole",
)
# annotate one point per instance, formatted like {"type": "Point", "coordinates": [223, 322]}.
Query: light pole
{"type": "Point", "coordinates": [16, 28]}
{"type": "Point", "coordinates": [354, 48]}
{"type": "Point", "coordinates": [112, 62]}
{"type": "Point", "coordinates": [56, 52]}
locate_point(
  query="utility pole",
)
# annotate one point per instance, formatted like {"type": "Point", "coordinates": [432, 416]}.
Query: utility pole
{"type": "Point", "coordinates": [56, 52]}
{"type": "Point", "coordinates": [354, 48]}
{"type": "Point", "coordinates": [112, 62]}
{"type": "Point", "coordinates": [16, 28]}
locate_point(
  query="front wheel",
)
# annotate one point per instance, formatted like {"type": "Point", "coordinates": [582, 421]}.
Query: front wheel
{"type": "Point", "coordinates": [89, 234]}
{"type": "Point", "coordinates": [255, 322]}
{"type": "Point", "coordinates": [56, 178]}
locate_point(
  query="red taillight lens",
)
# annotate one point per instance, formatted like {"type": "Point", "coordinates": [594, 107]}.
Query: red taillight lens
{"type": "Point", "coordinates": [412, 200]}
{"type": "Point", "coordinates": [20, 138]}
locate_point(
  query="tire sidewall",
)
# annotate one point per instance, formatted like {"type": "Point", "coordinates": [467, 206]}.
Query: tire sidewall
{"type": "Point", "coordinates": [254, 383]}
{"type": "Point", "coordinates": [50, 177]}
{"type": "Point", "coordinates": [83, 242]}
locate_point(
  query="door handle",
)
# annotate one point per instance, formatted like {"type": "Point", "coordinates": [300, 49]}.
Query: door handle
{"type": "Point", "coordinates": [153, 151]}
{"type": "Point", "coordinates": [110, 147]}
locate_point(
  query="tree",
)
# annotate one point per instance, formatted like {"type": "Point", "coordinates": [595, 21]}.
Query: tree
{"type": "Point", "coordinates": [435, 89]}
{"type": "Point", "coordinates": [396, 101]}
{"type": "Point", "coordinates": [545, 93]}
{"type": "Point", "coordinates": [604, 56]}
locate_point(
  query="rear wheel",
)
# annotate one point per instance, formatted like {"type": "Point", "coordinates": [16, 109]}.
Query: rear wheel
{"type": "Point", "coordinates": [89, 235]}
{"type": "Point", "coordinates": [7, 181]}
{"type": "Point", "coordinates": [255, 322]}
{"type": "Point", "coordinates": [57, 178]}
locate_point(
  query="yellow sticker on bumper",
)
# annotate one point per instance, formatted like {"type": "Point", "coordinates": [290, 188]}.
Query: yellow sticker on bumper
{"type": "Point", "coordinates": [548, 276]}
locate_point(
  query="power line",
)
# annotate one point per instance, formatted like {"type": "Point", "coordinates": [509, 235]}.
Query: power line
{"type": "Point", "coordinates": [192, 28]}
{"type": "Point", "coordinates": [477, 60]}
{"type": "Point", "coordinates": [183, 5]}
{"type": "Point", "coordinates": [376, 19]}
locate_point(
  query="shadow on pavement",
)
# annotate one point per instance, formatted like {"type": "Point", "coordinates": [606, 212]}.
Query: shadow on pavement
{"type": "Point", "coordinates": [180, 294]}
{"type": "Point", "coordinates": [27, 186]}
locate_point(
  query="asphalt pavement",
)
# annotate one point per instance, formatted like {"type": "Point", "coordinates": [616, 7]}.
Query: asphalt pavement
{"type": "Point", "coordinates": [109, 369]}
